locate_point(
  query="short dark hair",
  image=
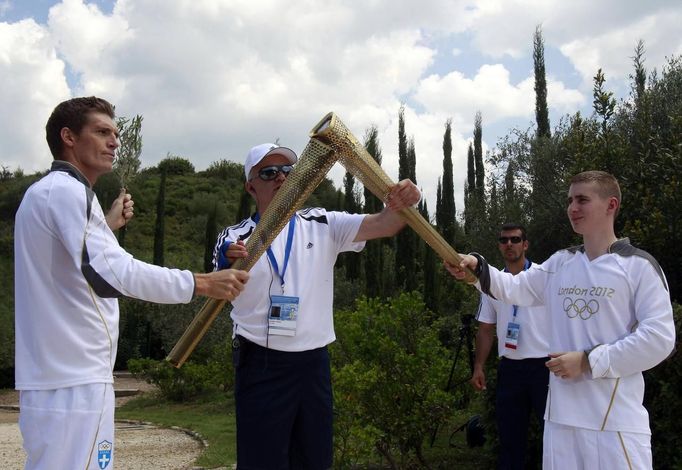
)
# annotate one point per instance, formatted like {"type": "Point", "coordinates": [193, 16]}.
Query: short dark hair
{"type": "Point", "coordinates": [73, 114]}
{"type": "Point", "coordinates": [607, 184]}
{"type": "Point", "coordinates": [514, 226]}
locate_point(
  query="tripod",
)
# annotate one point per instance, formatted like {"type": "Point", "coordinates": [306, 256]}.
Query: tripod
{"type": "Point", "coordinates": [465, 338]}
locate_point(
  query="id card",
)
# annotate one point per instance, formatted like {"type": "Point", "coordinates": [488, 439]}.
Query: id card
{"type": "Point", "coordinates": [282, 316]}
{"type": "Point", "coordinates": [512, 339]}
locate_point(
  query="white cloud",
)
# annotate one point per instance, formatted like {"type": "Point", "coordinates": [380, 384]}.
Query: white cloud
{"type": "Point", "coordinates": [214, 77]}
{"type": "Point", "coordinates": [491, 92]}
{"type": "Point", "coordinates": [591, 34]}
{"type": "Point", "coordinates": [612, 50]}
{"type": "Point", "coordinates": [33, 81]}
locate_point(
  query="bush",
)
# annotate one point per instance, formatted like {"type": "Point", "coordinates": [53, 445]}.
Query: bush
{"type": "Point", "coordinates": [662, 400]}
{"type": "Point", "coordinates": [192, 379]}
{"type": "Point", "coordinates": [176, 165]}
{"type": "Point", "coordinates": [389, 372]}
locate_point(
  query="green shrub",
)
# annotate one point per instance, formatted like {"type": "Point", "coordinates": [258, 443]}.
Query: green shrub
{"type": "Point", "coordinates": [190, 380]}
{"type": "Point", "coordinates": [389, 372]}
{"type": "Point", "coordinates": [662, 400]}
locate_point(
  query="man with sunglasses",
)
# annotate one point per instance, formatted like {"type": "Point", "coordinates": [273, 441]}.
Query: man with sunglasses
{"type": "Point", "coordinates": [283, 320]}
{"type": "Point", "coordinates": [523, 346]}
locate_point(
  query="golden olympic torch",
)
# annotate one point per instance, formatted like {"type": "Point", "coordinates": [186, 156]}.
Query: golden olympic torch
{"type": "Point", "coordinates": [313, 165]}
{"type": "Point", "coordinates": [355, 158]}
{"type": "Point", "coordinates": [330, 141]}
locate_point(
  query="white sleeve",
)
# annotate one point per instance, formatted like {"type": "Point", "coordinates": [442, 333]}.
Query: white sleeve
{"type": "Point", "coordinates": [526, 289]}
{"type": "Point", "coordinates": [108, 268]}
{"type": "Point", "coordinates": [653, 337]}
{"type": "Point", "coordinates": [486, 312]}
{"type": "Point", "coordinates": [344, 228]}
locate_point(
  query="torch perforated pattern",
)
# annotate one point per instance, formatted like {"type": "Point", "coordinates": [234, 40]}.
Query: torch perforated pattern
{"type": "Point", "coordinates": [355, 158]}
{"type": "Point", "coordinates": [313, 165]}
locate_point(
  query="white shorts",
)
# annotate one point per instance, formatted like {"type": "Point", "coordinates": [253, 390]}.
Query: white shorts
{"type": "Point", "coordinates": [68, 427]}
{"type": "Point", "coordinates": [570, 448]}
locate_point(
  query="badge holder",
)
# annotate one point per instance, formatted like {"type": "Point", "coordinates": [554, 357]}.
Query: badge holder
{"type": "Point", "coordinates": [282, 316]}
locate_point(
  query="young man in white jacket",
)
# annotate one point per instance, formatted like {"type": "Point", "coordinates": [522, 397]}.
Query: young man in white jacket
{"type": "Point", "coordinates": [69, 272]}
{"type": "Point", "coordinates": [611, 318]}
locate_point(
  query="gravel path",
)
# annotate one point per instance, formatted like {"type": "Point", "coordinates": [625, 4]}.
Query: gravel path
{"type": "Point", "coordinates": [139, 446]}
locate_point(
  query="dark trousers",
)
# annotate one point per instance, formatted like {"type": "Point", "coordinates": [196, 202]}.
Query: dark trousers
{"type": "Point", "coordinates": [521, 389]}
{"type": "Point", "coordinates": [284, 408]}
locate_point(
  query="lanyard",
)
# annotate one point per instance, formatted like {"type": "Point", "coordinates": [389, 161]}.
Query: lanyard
{"type": "Point", "coordinates": [287, 250]}
{"type": "Point", "coordinates": [526, 265]}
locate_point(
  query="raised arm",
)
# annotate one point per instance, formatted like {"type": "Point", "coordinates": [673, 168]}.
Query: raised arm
{"type": "Point", "coordinates": [388, 222]}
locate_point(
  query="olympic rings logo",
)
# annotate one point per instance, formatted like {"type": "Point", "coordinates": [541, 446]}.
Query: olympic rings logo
{"type": "Point", "coordinates": [580, 307]}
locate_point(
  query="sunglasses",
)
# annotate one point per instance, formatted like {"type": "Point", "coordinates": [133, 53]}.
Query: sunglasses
{"type": "Point", "coordinates": [505, 240]}
{"type": "Point", "coordinates": [269, 173]}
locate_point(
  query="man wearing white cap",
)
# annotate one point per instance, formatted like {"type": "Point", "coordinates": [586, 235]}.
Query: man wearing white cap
{"type": "Point", "coordinates": [283, 319]}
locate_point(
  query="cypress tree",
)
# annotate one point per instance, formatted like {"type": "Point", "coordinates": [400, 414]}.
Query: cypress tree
{"type": "Point", "coordinates": [210, 238]}
{"type": "Point", "coordinates": [406, 240]}
{"type": "Point", "coordinates": [469, 190]}
{"type": "Point", "coordinates": [244, 209]}
{"type": "Point", "coordinates": [374, 265]}
{"type": "Point", "coordinates": [412, 161]}
{"type": "Point", "coordinates": [471, 170]}
{"type": "Point", "coordinates": [159, 227]}
{"type": "Point", "coordinates": [448, 217]}
{"type": "Point", "coordinates": [351, 205]}
{"type": "Point", "coordinates": [478, 159]}
{"type": "Point", "coordinates": [408, 243]}
{"type": "Point", "coordinates": [430, 291]}
{"type": "Point", "coordinates": [439, 206]}
{"type": "Point", "coordinates": [403, 164]}
{"type": "Point", "coordinates": [541, 110]}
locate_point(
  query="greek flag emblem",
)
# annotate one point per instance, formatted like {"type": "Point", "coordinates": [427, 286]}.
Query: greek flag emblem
{"type": "Point", "coordinates": [104, 454]}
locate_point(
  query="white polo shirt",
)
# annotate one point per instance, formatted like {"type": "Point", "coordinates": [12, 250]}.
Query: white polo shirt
{"type": "Point", "coordinates": [319, 236]}
{"type": "Point", "coordinates": [533, 341]}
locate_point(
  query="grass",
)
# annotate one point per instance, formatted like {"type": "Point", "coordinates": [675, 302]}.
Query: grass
{"type": "Point", "coordinates": [211, 416]}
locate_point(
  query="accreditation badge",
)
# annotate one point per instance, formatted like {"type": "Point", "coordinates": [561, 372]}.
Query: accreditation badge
{"type": "Point", "coordinates": [512, 339]}
{"type": "Point", "coordinates": [283, 315]}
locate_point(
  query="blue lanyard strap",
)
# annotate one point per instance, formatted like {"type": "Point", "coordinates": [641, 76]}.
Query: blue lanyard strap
{"type": "Point", "coordinates": [287, 249]}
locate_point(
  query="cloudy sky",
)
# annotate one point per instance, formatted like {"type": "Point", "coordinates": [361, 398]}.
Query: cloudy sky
{"type": "Point", "coordinates": [214, 77]}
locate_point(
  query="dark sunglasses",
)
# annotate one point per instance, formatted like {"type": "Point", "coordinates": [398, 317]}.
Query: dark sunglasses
{"type": "Point", "coordinates": [270, 172]}
{"type": "Point", "coordinates": [514, 240]}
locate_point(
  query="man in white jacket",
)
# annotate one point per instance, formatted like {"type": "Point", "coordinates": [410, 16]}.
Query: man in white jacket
{"type": "Point", "coordinates": [69, 272]}
{"type": "Point", "coordinates": [611, 318]}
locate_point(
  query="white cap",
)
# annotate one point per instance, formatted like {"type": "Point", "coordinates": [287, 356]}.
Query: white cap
{"type": "Point", "coordinates": [259, 152]}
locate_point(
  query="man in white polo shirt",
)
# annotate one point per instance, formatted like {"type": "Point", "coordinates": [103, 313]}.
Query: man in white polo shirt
{"type": "Point", "coordinates": [69, 272]}
{"type": "Point", "coordinates": [283, 321]}
{"type": "Point", "coordinates": [523, 348]}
